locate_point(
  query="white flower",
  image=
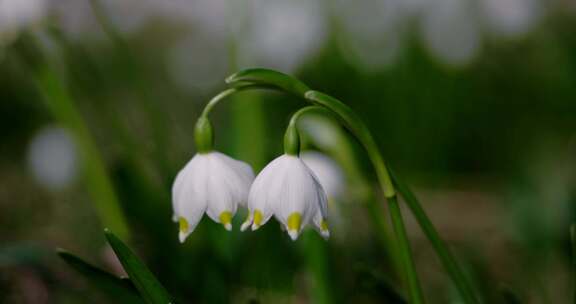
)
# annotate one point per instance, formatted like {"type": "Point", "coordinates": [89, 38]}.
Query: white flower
{"type": "Point", "coordinates": [327, 171]}
{"type": "Point", "coordinates": [287, 189]}
{"type": "Point", "coordinates": [451, 32]}
{"type": "Point", "coordinates": [53, 158]}
{"type": "Point", "coordinates": [17, 15]}
{"type": "Point", "coordinates": [304, 23]}
{"type": "Point", "coordinates": [213, 183]}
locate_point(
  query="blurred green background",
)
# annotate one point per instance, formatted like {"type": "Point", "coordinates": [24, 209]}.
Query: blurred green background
{"type": "Point", "coordinates": [472, 101]}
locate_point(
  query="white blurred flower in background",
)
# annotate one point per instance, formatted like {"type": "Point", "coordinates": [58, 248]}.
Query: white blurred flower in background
{"type": "Point", "coordinates": [53, 158]}
{"type": "Point", "coordinates": [16, 15]}
{"type": "Point", "coordinates": [331, 177]}
{"type": "Point", "coordinates": [373, 42]}
{"type": "Point", "coordinates": [323, 131]}
{"type": "Point", "coordinates": [198, 63]}
{"type": "Point", "coordinates": [511, 18]}
{"type": "Point", "coordinates": [327, 171]}
{"type": "Point", "coordinates": [450, 30]}
{"type": "Point", "coordinates": [282, 34]}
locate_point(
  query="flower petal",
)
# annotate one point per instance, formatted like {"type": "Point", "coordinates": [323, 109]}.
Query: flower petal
{"type": "Point", "coordinates": [260, 198]}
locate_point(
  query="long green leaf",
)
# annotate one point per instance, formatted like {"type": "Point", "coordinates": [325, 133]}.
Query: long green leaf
{"type": "Point", "coordinates": [149, 287]}
{"type": "Point", "coordinates": [446, 257]}
{"type": "Point", "coordinates": [98, 182]}
{"type": "Point", "coordinates": [117, 289]}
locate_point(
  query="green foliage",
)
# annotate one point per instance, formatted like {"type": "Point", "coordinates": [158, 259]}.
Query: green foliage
{"type": "Point", "coordinates": [117, 289]}
{"type": "Point", "coordinates": [145, 282]}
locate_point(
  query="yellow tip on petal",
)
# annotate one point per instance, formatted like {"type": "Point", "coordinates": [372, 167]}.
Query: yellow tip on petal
{"type": "Point", "coordinates": [258, 217]}
{"type": "Point", "coordinates": [324, 225]}
{"type": "Point", "coordinates": [294, 221]}
{"type": "Point", "coordinates": [226, 219]}
{"type": "Point", "coordinates": [183, 223]}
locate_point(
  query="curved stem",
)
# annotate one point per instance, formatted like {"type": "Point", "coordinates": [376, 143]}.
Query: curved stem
{"type": "Point", "coordinates": [375, 212]}
{"type": "Point", "coordinates": [302, 111]}
{"type": "Point", "coordinates": [226, 93]}
{"type": "Point", "coordinates": [286, 83]}
{"type": "Point", "coordinates": [281, 82]}
{"type": "Point", "coordinates": [360, 131]}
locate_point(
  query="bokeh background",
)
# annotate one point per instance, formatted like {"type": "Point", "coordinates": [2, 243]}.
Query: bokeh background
{"type": "Point", "coordinates": [471, 101]}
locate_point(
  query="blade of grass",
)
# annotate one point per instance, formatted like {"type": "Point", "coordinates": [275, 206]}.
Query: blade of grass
{"type": "Point", "coordinates": [117, 289]}
{"type": "Point", "coordinates": [98, 182]}
{"type": "Point", "coordinates": [149, 287]}
{"type": "Point", "coordinates": [446, 257]}
{"type": "Point", "coordinates": [405, 252]}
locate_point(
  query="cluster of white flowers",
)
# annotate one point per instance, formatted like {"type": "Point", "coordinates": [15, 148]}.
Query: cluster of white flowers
{"type": "Point", "coordinates": [216, 184]}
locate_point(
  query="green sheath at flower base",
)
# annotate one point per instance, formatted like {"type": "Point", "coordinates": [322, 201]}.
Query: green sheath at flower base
{"type": "Point", "coordinates": [292, 141]}
{"type": "Point", "coordinates": [204, 137]}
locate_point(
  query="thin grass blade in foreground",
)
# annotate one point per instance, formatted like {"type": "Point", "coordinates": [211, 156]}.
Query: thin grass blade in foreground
{"type": "Point", "coordinates": [149, 287]}
{"type": "Point", "coordinates": [446, 257]}
{"type": "Point", "coordinates": [117, 289]}
{"type": "Point", "coordinates": [64, 109]}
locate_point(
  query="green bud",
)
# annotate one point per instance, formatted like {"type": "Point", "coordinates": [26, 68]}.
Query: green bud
{"type": "Point", "coordinates": [292, 141]}
{"type": "Point", "coordinates": [204, 137]}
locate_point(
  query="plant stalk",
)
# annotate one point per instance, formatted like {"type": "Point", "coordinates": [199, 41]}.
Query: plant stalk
{"type": "Point", "coordinates": [446, 257]}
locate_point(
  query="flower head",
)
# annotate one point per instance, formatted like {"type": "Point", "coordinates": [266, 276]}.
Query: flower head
{"type": "Point", "coordinates": [287, 189]}
{"type": "Point", "coordinates": [213, 183]}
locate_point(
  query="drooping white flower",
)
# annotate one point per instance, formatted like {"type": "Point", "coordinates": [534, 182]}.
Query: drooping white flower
{"type": "Point", "coordinates": [213, 183]}
{"type": "Point", "coordinates": [289, 190]}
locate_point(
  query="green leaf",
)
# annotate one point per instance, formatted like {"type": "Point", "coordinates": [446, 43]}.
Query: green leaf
{"type": "Point", "coordinates": [448, 260]}
{"type": "Point", "coordinates": [149, 287]}
{"type": "Point", "coordinates": [118, 289]}
{"type": "Point", "coordinates": [269, 77]}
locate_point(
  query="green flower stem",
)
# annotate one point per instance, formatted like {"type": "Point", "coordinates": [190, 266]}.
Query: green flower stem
{"type": "Point", "coordinates": [97, 180]}
{"type": "Point", "coordinates": [293, 86]}
{"type": "Point", "coordinates": [229, 92]}
{"type": "Point", "coordinates": [360, 131]}
{"type": "Point", "coordinates": [448, 260]}
{"type": "Point", "coordinates": [354, 124]}
{"type": "Point", "coordinates": [375, 210]}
